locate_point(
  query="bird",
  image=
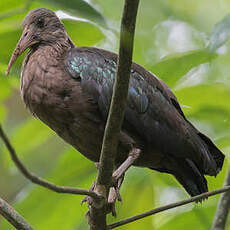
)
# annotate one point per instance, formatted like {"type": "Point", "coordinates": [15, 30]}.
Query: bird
{"type": "Point", "coordinates": [69, 88]}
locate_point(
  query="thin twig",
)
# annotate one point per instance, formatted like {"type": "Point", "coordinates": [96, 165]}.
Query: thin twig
{"type": "Point", "coordinates": [169, 206]}
{"type": "Point", "coordinates": [223, 207]}
{"type": "Point", "coordinates": [97, 215]}
{"type": "Point", "coordinates": [13, 217]}
{"type": "Point", "coordinates": [37, 180]}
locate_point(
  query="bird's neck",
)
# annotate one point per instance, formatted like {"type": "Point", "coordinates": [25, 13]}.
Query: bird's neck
{"type": "Point", "coordinates": [43, 57]}
{"type": "Point", "coordinates": [57, 46]}
{"type": "Point", "coordinates": [63, 44]}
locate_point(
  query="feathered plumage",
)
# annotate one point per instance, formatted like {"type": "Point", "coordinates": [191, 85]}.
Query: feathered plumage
{"type": "Point", "coordinates": [69, 88]}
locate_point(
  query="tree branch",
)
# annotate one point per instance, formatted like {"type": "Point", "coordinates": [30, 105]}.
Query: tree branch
{"type": "Point", "coordinates": [37, 180]}
{"type": "Point", "coordinates": [169, 206]}
{"type": "Point", "coordinates": [116, 114]}
{"type": "Point", "coordinates": [120, 92]}
{"type": "Point", "coordinates": [13, 217]}
{"type": "Point", "coordinates": [223, 207]}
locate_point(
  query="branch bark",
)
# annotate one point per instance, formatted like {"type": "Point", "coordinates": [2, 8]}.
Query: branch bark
{"type": "Point", "coordinates": [120, 92]}
{"type": "Point", "coordinates": [37, 180]}
{"type": "Point", "coordinates": [223, 207]}
{"type": "Point", "coordinates": [169, 206]}
{"type": "Point", "coordinates": [97, 213]}
{"type": "Point", "coordinates": [13, 217]}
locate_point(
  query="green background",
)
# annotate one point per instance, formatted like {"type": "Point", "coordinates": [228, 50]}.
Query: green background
{"type": "Point", "coordinates": [185, 43]}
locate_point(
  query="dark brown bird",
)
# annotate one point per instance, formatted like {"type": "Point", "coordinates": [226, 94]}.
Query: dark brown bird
{"type": "Point", "coordinates": [69, 88]}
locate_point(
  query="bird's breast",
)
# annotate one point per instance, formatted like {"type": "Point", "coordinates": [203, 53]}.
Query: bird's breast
{"type": "Point", "coordinates": [40, 84]}
{"type": "Point", "coordinates": [55, 98]}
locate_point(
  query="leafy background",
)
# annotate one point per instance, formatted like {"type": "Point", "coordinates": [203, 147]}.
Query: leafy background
{"type": "Point", "coordinates": [185, 43]}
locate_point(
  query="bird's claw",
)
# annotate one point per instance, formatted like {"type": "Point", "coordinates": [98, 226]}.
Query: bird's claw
{"type": "Point", "coordinates": [88, 199]}
{"type": "Point", "coordinates": [114, 194]}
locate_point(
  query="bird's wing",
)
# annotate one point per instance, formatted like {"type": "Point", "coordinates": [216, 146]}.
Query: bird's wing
{"type": "Point", "coordinates": [152, 110]}
{"type": "Point", "coordinates": [96, 69]}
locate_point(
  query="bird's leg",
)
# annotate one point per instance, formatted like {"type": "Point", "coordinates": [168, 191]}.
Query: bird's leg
{"type": "Point", "coordinates": [118, 174]}
{"type": "Point", "coordinates": [118, 178]}
{"type": "Point", "coordinates": [133, 155]}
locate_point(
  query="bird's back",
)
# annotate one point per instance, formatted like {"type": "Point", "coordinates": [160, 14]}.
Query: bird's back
{"type": "Point", "coordinates": [153, 118]}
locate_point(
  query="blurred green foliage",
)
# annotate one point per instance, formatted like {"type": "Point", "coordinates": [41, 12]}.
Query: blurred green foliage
{"type": "Point", "coordinates": [185, 43]}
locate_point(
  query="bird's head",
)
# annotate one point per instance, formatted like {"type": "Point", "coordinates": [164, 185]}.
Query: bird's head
{"type": "Point", "coordinates": [40, 26]}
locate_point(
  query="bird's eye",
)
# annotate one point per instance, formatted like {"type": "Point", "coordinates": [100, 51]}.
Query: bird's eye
{"type": "Point", "coordinates": [40, 22]}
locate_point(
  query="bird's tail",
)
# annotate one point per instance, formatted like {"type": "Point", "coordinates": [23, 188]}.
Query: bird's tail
{"type": "Point", "coordinates": [190, 178]}
{"type": "Point", "coordinates": [187, 174]}
{"type": "Point", "coordinates": [215, 153]}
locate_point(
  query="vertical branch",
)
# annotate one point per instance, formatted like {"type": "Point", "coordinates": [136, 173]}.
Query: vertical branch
{"type": "Point", "coordinates": [223, 207]}
{"type": "Point", "coordinates": [120, 92]}
{"type": "Point", "coordinates": [97, 212]}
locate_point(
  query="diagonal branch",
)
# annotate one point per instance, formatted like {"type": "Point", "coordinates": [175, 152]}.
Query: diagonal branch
{"type": "Point", "coordinates": [37, 180]}
{"type": "Point", "coordinates": [223, 207]}
{"type": "Point", "coordinates": [13, 217]}
{"type": "Point", "coordinates": [169, 206]}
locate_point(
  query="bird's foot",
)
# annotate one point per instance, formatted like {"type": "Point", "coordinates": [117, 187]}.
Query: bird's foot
{"type": "Point", "coordinates": [92, 187]}
{"type": "Point", "coordinates": [97, 165]}
{"type": "Point", "coordinates": [114, 195]}
{"type": "Point", "coordinates": [117, 179]}
{"type": "Point", "coordinates": [88, 199]}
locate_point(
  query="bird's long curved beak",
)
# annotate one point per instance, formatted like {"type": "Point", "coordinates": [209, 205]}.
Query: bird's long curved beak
{"type": "Point", "coordinates": [25, 41]}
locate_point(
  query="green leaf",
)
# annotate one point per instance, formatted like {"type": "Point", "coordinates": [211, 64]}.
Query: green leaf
{"type": "Point", "coordinates": [9, 40]}
{"type": "Point", "coordinates": [220, 34]}
{"type": "Point", "coordinates": [207, 106]}
{"type": "Point", "coordinates": [83, 33]}
{"type": "Point", "coordinates": [173, 67]}
{"type": "Point", "coordinates": [213, 95]}
{"type": "Point", "coordinates": [200, 215]}
{"type": "Point", "coordinates": [28, 136]}
{"type": "Point", "coordinates": [11, 5]}
{"type": "Point", "coordinates": [4, 94]}
{"type": "Point", "coordinates": [80, 8]}
{"type": "Point", "coordinates": [136, 180]}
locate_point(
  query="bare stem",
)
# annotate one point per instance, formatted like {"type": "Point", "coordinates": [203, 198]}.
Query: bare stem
{"type": "Point", "coordinates": [37, 180]}
{"type": "Point", "coordinates": [13, 217]}
{"type": "Point", "coordinates": [120, 92]}
{"type": "Point", "coordinates": [223, 207]}
{"type": "Point", "coordinates": [169, 206]}
{"type": "Point", "coordinates": [97, 216]}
